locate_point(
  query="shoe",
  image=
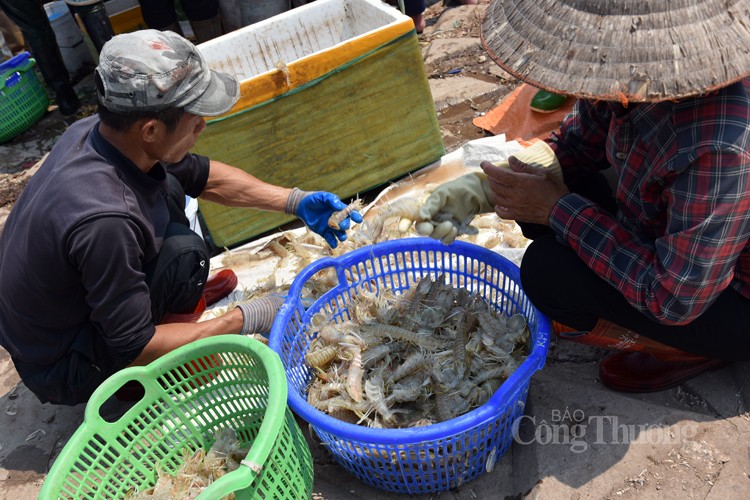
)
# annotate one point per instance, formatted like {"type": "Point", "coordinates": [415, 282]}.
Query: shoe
{"type": "Point", "coordinates": [216, 288]}
{"type": "Point", "coordinates": [547, 102]}
{"type": "Point", "coordinates": [67, 100]}
{"type": "Point", "coordinates": [560, 330]}
{"type": "Point", "coordinates": [647, 372]}
{"type": "Point", "coordinates": [219, 286]}
{"type": "Point", "coordinates": [608, 335]}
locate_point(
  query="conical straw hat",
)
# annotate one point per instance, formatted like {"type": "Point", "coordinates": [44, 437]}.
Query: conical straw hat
{"type": "Point", "coordinates": [621, 50]}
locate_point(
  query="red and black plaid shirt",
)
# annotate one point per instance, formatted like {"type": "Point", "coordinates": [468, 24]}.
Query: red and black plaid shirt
{"type": "Point", "coordinates": [681, 234]}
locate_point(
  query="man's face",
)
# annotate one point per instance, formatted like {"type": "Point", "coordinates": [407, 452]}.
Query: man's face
{"type": "Point", "coordinates": [177, 143]}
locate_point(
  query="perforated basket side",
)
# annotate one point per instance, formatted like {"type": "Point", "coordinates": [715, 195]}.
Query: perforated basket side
{"type": "Point", "coordinates": [190, 393]}
{"type": "Point", "coordinates": [435, 464]}
{"type": "Point", "coordinates": [425, 459]}
{"type": "Point", "coordinates": [23, 100]}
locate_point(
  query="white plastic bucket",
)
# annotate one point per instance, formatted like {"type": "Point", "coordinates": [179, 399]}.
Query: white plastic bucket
{"type": "Point", "coordinates": [69, 38]}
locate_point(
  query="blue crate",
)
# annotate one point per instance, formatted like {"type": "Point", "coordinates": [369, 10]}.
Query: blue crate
{"type": "Point", "coordinates": [427, 459]}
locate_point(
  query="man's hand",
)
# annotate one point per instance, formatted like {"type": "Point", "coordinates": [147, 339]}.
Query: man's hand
{"type": "Point", "coordinates": [315, 209]}
{"type": "Point", "coordinates": [450, 209]}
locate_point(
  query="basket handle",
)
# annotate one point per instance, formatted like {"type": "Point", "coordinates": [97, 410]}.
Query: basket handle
{"type": "Point", "coordinates": [7, 74]}
{"type": "Point", "coordinates": [111, 385]}
{"type": "Point", "coordinates": [308, 272]}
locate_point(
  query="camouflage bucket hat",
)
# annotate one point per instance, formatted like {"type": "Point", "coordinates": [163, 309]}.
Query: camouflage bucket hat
{"type": "Point", "coordinates": [151, 70]}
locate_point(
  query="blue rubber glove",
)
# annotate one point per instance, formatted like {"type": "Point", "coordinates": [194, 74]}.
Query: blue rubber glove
{"type": "Point", "coordinates": [314, 209]}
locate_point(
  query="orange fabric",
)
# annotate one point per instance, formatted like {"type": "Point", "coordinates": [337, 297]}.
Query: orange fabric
{"type": "Point", "coordinates": [514, 118]}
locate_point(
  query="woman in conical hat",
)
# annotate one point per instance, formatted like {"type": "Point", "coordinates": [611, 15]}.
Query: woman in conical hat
{"type": "Point", "coordinates": [639, 207]}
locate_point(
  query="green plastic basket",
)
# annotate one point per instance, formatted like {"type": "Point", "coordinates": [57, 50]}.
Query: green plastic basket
{"type": "Point", "coordinates": [228, 381]}
{"type": "Point", "coordinates": [23, 100]}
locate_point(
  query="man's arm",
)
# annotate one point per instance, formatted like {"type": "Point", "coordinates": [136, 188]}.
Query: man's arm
{"type": "Point", "coordinates": [169, 337]}
{"type": "Point", "coordinates": [233, 187]}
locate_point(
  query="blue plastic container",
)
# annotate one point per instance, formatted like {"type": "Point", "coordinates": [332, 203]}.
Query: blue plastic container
{"type": "Point", "coordinates": [427, 459]}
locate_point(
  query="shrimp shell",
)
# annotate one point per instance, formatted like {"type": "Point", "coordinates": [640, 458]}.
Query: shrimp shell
{"type": "Point", "coordinates": [398, 333]}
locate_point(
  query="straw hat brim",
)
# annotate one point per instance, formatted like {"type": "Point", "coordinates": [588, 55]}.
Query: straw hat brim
{"type": "Point", "coordinates": [640, 51]}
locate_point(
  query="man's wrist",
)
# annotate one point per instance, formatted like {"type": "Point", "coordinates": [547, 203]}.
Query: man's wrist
{"type": "Point", "coordinates": [292, 201]}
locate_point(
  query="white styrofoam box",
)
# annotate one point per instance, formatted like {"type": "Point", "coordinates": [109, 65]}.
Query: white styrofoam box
{"type": "Point", "coordinates": [296, 34]}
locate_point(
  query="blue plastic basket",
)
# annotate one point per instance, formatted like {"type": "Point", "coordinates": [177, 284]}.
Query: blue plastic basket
{"type": "Point", "coordinates": [427, 459]}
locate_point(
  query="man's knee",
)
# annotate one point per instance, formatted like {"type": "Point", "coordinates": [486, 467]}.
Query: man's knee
{"type": "Point", "coordinates": [72, 379]}
{"type": "Point", "coordinates": [177, 277]}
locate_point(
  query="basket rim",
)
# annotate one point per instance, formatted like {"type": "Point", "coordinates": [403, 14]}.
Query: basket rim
{"type": "Point", "coordinates": [488, 411]}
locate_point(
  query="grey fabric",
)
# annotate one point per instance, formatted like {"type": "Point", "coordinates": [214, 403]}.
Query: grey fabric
{"type": "Point", "coordinates": [258, 314]}
{"type": "Point", "coordinates": [292, 202]}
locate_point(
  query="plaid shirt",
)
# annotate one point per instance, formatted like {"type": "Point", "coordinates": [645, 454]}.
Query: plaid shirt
{"type": "Point", "coordinates": [681, 234]}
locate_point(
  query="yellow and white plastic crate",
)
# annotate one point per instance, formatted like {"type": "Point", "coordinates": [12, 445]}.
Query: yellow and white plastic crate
{"type": "Point", "coordinates": [334, 97]}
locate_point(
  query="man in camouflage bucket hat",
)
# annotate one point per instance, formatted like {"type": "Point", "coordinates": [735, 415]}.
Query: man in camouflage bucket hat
{"type": "Point", "coordinates": [99, 269]}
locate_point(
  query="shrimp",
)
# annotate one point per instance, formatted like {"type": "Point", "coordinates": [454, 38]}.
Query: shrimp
{"type": "Point", "coordinates": [414, 362]}
{"type": "Point", "coordinates": [321, 358]}
{"type": "Point", "coordinates": [371, 356]}
{"type": "Point", "coordinates": [355, 374]}
{"type": "Point", "coordinates": [374, 391]}
{"type": "Point", "coordinates": [398, 333]}
{"type": "Point", "coordinates": [406, 208]}
{"type": "Point", "coordinates": [406, 391]}
{"type": "Point", "coordinates": [336, 218]}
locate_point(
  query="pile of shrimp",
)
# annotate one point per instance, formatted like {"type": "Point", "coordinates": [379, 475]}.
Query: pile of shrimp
{"type": "Point", "coordinates": [428, 355]}
{"type": "Point", "coordinates": [391, 219]}
{"type": "Point", "coordinates": [198, 470]}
